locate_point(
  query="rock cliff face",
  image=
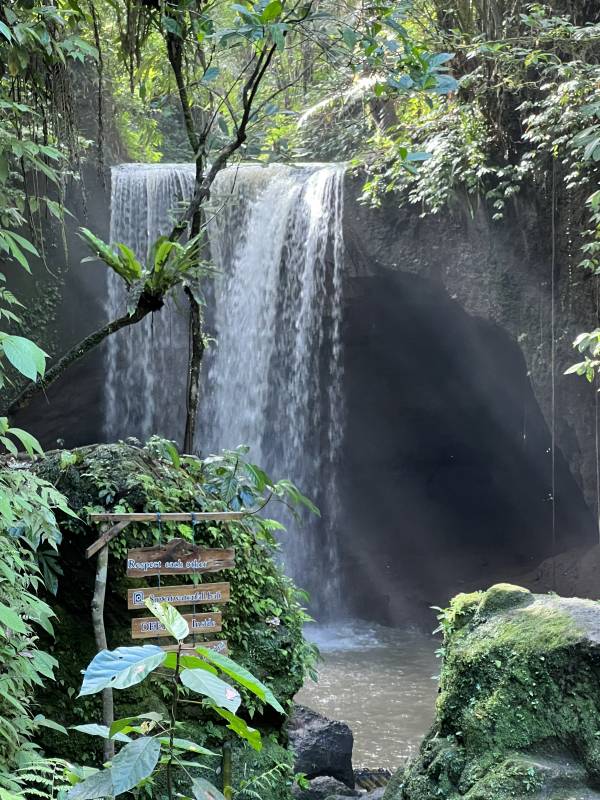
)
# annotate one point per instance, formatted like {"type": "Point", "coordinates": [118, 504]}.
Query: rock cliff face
{"type": "Point", "coordinates": [503, 272]}
{"type": "Point", "coordinates": [449, 399]}
{"type": "Point", "coordinates": [518, 712]}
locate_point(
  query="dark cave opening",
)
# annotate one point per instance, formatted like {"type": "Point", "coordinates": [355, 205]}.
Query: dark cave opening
{"type": "Point", "coordinates": [446, 472]}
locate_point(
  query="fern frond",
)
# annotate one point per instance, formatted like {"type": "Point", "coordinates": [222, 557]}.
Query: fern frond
{"type": "Point", "coordinates": [42, 778]}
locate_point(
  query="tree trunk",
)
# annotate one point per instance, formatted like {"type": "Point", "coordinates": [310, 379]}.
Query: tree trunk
{"type": "Point", "coordinates": [195, 362]}
{"type": "Point", "coordinates": [196, 339]}
{"type": "Point", "coordinates": [108, 714]}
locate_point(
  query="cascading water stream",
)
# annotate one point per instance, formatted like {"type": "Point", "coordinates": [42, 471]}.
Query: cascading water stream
{"type": "Point", "coordinates": [275, 374]}
{"type": "Point", "coordinates": [273, 379]}
{"type": "Point", "coordinates": [146, 363]}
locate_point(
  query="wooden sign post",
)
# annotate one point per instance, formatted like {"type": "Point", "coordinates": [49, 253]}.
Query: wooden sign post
{"type": "Point", "coordinates": [176, 557]}
{"type": "Point", "coordinates": [150, 627]}
{"type": "Point", "coordinates": [184, 595]}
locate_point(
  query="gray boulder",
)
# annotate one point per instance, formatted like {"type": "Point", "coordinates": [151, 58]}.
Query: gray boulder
{"type": "Point", "coordinates": [323, 788]}
{"type": "Point", "coordinates": [322, 746]}
{"type": "Point", "coordinates": [376, 794]}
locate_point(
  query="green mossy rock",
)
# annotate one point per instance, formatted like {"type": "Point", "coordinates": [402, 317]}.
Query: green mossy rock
{"type": "Point", "coordinates": [518, 711]}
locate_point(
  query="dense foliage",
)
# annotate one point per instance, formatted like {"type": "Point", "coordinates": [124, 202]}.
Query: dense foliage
{"type": "Point", "coordinates": [152, 748]}
{"type": "Point", "coordinates": [264, 620]}
{"type": "Point", "coordinates": [231, 75]}
{"type": "Point", "coordinates": [433, 104]}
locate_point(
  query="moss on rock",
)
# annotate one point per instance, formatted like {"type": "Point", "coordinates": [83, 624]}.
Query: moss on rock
{"type": "Point", "coordinates": [519, 676]}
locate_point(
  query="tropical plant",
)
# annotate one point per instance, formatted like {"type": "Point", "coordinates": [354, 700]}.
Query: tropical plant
{"type": "Point", "coordinates": [171, 265]}
{"type": "Point", "coordinates": [29, 538]}
{"type": "Point", "coordinates": [151, 747]}
{"type": "Point", "coordinates": [24, 666]}
{"type": "Point", "coordinates": [235, 71]}
{"type": "Point", "coordinates": [266, 615]}
{"type": "Point", "coordinates": [40, 778]}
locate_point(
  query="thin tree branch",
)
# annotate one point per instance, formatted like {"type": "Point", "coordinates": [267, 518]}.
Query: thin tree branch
{"type": "Point", "coordinates": [145, 305]}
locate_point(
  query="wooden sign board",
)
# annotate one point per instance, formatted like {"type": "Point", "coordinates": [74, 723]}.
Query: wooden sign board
{"type": "Point", "coordinates": [188, 595]}
{"type": "Point", "coordinates": [150, 627]}
{"type": "Point", "coordinates": [218, 645]}
{"type": "Point", "coordinates": [177, 557]}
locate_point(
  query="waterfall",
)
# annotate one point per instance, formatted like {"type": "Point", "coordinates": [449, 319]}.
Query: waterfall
{"type": "Point", "coordinates": [146, 364]}
{"type": "Point", "coordinates": [272, 379]}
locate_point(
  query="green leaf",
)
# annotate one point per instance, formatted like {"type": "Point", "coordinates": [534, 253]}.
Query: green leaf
{"type": "Point", "coordinates": [10, 619]}
{"type": "Point", "coordinates": [128, 271]}
{"type": "Point", "coordinates": [278, 34]}
{"type": "Point", "coordinates": [119, 724]}
{"type": "Point", "coordinates": [5, 31]}
{"type": "Point", "coordinates": [29, 442]}
{"type": "Point", "coordinates": [187, 662]}
{"type": "Point", "coordinates": [133, 763]}
{"type": "Point", "coordinates": [209, 685]}
{"type": "Point", "coordinates": [40, 719]}
{"type": "Point", "coordinates": [24, 243]}
{"type": "Point", "coordinates": [241, 675]}
{"type": "Point", "coordinates": [188, 746]}
{"type": "Point", "coordinates": [272, 11]}
{"type": "Point", "coordinates": [92, 729]}
{"type": "Point", "coordinates": [121, 668]}
{"type": "Point", "coordinates": [211, 74]}
{"type": "Point", "coordinates": [4, 794]}
{"type": "Point", "coordinates": [237, 725]}
{"type": "Point", "coordinates": [204, 790]}
{"type": "Point", "coordinates": [168, 616]}
{"type": "Point", "coordinates": [173, 454]}
{"type": "Point", "coordinates": [97, 785]}
{"type": "Point", "coordinates": [24, 355]}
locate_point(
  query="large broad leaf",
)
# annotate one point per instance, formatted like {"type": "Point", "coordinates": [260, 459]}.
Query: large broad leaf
{"type": "Point", "coordinates": [170, 618]}
{"type": "Point", "coordinates": [236, 724]}
{"type": "Point", "coordinates": [134, 763]}
{"type": "Point", "coordinates": [204, 790]}
{"type": "Point", "coordinates": [187, 662]}
{"type": "Point", "coordinates": [97, 785]}
{"type": "Point", "coordinates": [188, 746]}
{"type": "Point", "coordinates": [241, 675]}
{"type": "Point", "coordinates": [10, 619]}
{"type": "Point", "coordinates": [209, 685]}
{"type": "Point", "coordinates": [121, 668]}
{"type": "Point", "coordinates": [130, 766]}
{"type": "Point", "coordinates": [24, 355]}
{"type": "Point", "coordinates": [92, 729]}
{"type": "Point", "coordinates": [127, 724]}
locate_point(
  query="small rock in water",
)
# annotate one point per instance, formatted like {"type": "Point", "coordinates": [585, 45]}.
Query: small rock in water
{"type": "Point", "coordinates": [322, 746]}
{"type": "Point", "coordinates": [323, 788]}
{"type": "Point", "coordinates": [376, 794]}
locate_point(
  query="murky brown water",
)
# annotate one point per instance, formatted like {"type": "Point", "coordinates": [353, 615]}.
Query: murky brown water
{"type": "Point", "coordinates": [379, 681]}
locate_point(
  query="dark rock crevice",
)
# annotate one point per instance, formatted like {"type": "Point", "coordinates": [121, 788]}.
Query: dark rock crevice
{"type": "Point", "coordinates": [446, 477]}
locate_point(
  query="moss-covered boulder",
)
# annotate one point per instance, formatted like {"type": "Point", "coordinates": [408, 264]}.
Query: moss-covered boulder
{"type": "Point", "coordinates": [518, 711]}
